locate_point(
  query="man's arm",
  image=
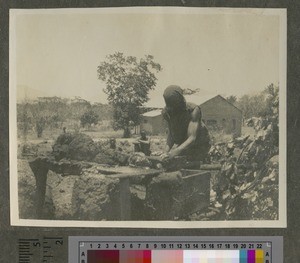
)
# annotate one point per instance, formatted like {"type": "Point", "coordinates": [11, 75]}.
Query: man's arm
{"type": "Point", "coordinates": [170, 141]}
{"type": "Point", "coordinates": [147, 141]}
{"type": "Point", "coordinates": [191, 132]}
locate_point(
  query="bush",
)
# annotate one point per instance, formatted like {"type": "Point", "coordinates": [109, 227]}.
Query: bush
{"type": "Point", "coordinates": [89, 118]}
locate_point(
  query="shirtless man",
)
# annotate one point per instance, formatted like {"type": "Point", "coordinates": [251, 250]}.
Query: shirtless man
{"type": "Point", "coordinates": [187, 136]}
{"type": "Point", "coordinates": [142, 144]}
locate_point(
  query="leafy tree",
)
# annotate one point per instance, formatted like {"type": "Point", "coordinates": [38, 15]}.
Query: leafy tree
{"type": "Point", "coordinates": [78, 107]}
{"type": "Point", "coordinates": [89, 118]}
{"type": "Point", "coordinates": [40, 125]}
{"type": "Point", "coordinates": [24, 117]}
{"type": "Point", "coordinates": [272, 110]}
{"type": "Point", "coordinates": [272, 100]}
{"type": "Point", "coordinates": [232, 99]}
{"type": "Point", "coordinates": [42, 113]}
{"type": "Point", "coordinates": [252, 106]}
{"type": "Point", "coordinates": [260, 105]}
{"type": "Point", "coordinates": [247, 186]}
{"type": "Point", "coordinates": [49, 112]}
{"type": "Point", "coordinates": [104, 111]}
{"type": "Point", "coordinates": [128, 81]}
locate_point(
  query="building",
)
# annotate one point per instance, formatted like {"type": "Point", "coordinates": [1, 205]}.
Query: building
{"type": "Point", "coordinates": [217, 114]}
{"type": "Point", "coordinates": [153, 123]}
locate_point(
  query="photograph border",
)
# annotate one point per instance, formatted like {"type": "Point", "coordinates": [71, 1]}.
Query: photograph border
{"type": "Point", "coordinates": [281, 223]}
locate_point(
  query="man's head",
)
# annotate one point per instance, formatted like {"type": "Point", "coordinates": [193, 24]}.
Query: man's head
{"type": "Point", "coordinates": [112, 143]}
{"type": "Point", "coordinates": [174, 99]}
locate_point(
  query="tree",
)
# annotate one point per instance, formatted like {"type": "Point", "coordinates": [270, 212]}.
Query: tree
{"type": "Point", "coordinates": [272, 109]}
{"type": "Point", "coordinates": [272, 100]}
{"type": "Point", "coordinates": [49, 112]}
{"type": "Point", "coordinates": [24, 118]}
{"type": "Point", "coordinates": [104, 111]}
{"type": "Point", "coordinates": [232, 99]}
{"type": "Point", "coordinates": [260, 105]}
{"type": "Point", "coordinates": [40, 125]}
{"type": "Point", "coordinates": [128, 81]}
{"type": "Point", "coordinates": [252, 106]}
{"type": "Point", "coordinates": [89, 118]}
{"type": "Point", "coordinates": [78, 107]}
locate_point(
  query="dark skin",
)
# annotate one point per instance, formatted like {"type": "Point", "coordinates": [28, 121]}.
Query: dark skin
{"type": "Point", "coordinates": [193, 127]}
{"type": "Point", "coordinates": [143, 139]}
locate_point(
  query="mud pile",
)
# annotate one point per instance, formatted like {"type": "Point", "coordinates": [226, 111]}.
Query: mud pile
{"type": "Point", "coordinates": [96, 197]}
{"type": "Point", "coordinates": [85, 182]}
{"type": "Point", "coordinates": [80, 147]}
{"type": "Point", "coordinates": [27, 195]}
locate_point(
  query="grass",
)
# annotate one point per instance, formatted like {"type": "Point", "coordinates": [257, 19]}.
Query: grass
{"type": "Point", "coordinates": [98, 135]}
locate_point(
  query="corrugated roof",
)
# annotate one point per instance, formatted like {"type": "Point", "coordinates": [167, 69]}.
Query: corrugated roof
{"type": "Point", "coordinates": [152, 113]}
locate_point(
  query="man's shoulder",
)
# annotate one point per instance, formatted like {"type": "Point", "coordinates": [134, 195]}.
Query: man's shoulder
{"type": "Point", "coordinates": [195, 111]}
{"type": "Point", "coordinates": [192, 106]}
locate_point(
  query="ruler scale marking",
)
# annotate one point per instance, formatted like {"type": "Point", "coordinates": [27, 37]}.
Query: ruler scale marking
{"type": "Point", "coordinates": [127, 249]}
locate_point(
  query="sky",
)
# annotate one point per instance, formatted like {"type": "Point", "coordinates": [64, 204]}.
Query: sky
{"type": "Point", "coordinates": [57, 54]}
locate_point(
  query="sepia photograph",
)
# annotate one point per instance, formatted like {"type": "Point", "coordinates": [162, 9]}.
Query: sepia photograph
{"type": "Point", "coordinates": [165, 117]}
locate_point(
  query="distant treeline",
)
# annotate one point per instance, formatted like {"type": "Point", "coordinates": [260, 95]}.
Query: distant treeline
{"type": "Point", "coordinates": [54, 112]}
{"type": "Point", "coordinates": [259, 105]}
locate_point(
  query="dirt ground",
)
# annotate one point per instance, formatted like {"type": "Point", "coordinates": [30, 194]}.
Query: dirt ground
{"type": "Point", "coordinates": [59, 189]}
{"type": "Point", "coordinates": [158, 142]}
{"type": "Point", "coordinates": [58, 202]}
{"type": "Point", "coordinates": [58, 193]}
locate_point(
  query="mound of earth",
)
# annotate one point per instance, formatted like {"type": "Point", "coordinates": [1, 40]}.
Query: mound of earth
{"type": "Point", "coordinates": [96, 197]}
{"type": "Point", "coordinates": [111, 157]}
{"type": "Point", "coordinates": [27, 195]}
{"type": "Point", "coordinates": [139, 159]}
{"type": "Point", "coordinates": [80, 147]}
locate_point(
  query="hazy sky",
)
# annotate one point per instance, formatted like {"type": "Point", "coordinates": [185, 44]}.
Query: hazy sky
{"type": "Point", "coordinates": [227, 54]}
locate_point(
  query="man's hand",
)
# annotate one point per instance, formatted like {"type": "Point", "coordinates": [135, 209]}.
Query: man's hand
{"type": "Point", "coordinates": [169, 156]}
{"type": "Point", "coordinates": [164, 156]}
{"type": "Point", "coordinates": [172, 148]}
{"type": "Point", "coordinates": [172, 154]}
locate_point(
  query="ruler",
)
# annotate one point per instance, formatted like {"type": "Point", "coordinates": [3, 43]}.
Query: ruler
{"type": "Point", "coordinates": [184, 249]}
{"type": "Point", "coordinates": [45, 249]}
{"type": "Point", "coordinates": [90, 249]}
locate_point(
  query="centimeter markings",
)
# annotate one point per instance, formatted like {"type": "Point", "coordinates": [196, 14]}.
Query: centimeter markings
{"type": "Point", "coordinates": [49, 249]}
{"type": "Point", "coordinates": [176, 244]}
{"type": "Point", "coordinates": [81, 247]}
{"type": "Point", "coordinates": [39, 249]}
{"type": "Point", "coordinates": [84, 247]}
{"type": "Point", "coordinates": [25, 250]}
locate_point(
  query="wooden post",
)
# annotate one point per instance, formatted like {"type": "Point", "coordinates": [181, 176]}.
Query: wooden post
{"type": "Point", "coordinates": [39, 167]}
{"type": "Point", "coordinates": [125, 199]}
